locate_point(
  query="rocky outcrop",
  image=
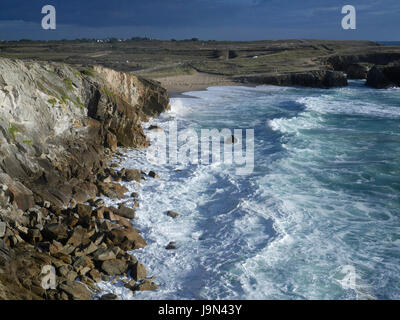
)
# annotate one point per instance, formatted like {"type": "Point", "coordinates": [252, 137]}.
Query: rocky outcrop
{"type": "Point", "coordinates": [59, 127]}
{"type": "Point", "coordinates": [57, 121]}
{"type": "Point", "coordinates": [377, 56]}
{"type": "Point", "coordinates": [316, 79]}
{"type": "Point", "coordinates": [381, 77]}
{"type": "Point", "coordinates": [358, 70]}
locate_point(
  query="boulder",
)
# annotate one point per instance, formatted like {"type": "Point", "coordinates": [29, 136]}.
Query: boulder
{"type": "Point", "coordinates": [132, 175]}
{"type": "Point", "coordinates": [21, 196]}
{"type": "Point", "coordinates": [95, 275]}
{"type": "Point", "coordinates": [153, 174]}
{"type": "Point", "coordinates": [155, 128]}
{"type": "Point", "coordinates": [131, 285]}
{"type": "Point", "coordinates": [109, 296]}
{"type": "Point", "coordinates": [146, 285]}
{"type": "Point", "coordinates": [125, 212]}
{"type": "Point", "coordinates": [138, 271]}
{"type": "Point", "coordinates": [103, 254]}
{"type": "Point", "coordinates": [83, 263]}
{"type": "Point", "coordinates": [173, 214]}
{"type": "Point", "coordinates": [127, 238]}
{"type": "Point", "coordinates": [114, 267]}
{"type": "Point", "coordinates": [75, 290]}
{"type": "Point", "coordinates": [171, 246]}
{"type": "Point", "coordinates": [55, 231]}
{"type": "Point", "coordinates": [78, 236]}
{"type": "Point", "coordinates": [84, 210]}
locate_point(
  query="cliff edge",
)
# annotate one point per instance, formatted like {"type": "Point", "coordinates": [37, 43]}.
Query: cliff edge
{"type": "Point", "coordinates": [59, 126]}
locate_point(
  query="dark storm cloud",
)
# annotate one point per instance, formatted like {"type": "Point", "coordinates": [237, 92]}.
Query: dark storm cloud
{"type": "Point", "coordinates": [207, 19]}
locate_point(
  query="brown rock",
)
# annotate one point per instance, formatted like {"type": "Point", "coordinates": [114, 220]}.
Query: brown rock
{"type": "Point", "coordinates": [109, 296]}
{"type": "Point", "coordinates": [90, 249]}
{"type": "Point", "coordinates": [132, 175]}
{"type": "Point", "coordinates": [83, 262]}
{"type": "Point", "coordinates": [114, 267]}
{"type": "Point", "coordinates": [67, 272]}
{"type": "Point", "coordinates": [75, 290]}
{"type": "Point", "coordinates": [34, 236]}
{"type": "Point", "coordinates": [172, 214]}
{"type": "Point", "coordinates": [155, 128]}
{"type": "Point", "coordinates": [146, 285]}
{"type": "Point", "coordinates": [78, 237]}
{"type": "Point", "coordinates": [104, 254]}
{"type": "Point", "coordinates": [153, 174]}
{"type": "Point", "coordinates": [99, 213]}
{"type": "Point", "coordinates": [111, 141]}
{"type": "Point", "coordinates": [125, 212]}
{"type": "Point", "coordinates": [3, 228]}
{"type": "Point", "coordinates": [95, 275]}
{"type": "Point", "coordinates": [127, 238]}
{"type": "Point", "coordinates": [55, 247]}
{"type": "Point", "coordinates": [138, 271]}
{"type": "Point", "coordinates": [21, 196]}
{"type": "Point", "coordinates": [123, 221]}
{"type": "Point", "coordinates": [84, 210]}
{"type": "Point", "coordinates": [130, 285]}
{"type": "Point", "coordinates": [55, 231]}
{"type": "Point", "coordinates": [171, 246]}
{"type": "Point", "coordinates": [105, 226]}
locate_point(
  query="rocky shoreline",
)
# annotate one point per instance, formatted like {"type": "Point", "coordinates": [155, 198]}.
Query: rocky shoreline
{"type": "Point", "coordinates": [381, 70]}
{"type": "Point", "coordinates": [59, 128]}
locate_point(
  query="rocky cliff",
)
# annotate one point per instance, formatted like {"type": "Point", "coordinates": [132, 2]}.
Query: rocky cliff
{"type": "Point", "coordinates": [316, 79]}
{"type": "Point", "coordinates": [357, 65]}
{"type": "Point", "coordinates": [387, 76]}
{"type": "Point", "coordinates": [58, 128]}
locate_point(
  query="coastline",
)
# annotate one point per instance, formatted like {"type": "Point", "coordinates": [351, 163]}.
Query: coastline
{"type": "Point", "coordinates": [198, 81]}
{"type": "Point", "coordinates": [57, 218]}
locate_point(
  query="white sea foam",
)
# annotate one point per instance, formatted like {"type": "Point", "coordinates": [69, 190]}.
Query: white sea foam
{"type": "Point", "coordinates": [313, 205]}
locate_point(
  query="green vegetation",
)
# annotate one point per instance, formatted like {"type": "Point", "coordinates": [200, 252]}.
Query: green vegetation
{"type": "Point", "coordinates": [110, 94]}
{"type": "Point", "coordinates": [88, 72]}
{"type": "Point", "coordinates": [79, 103]}
{"type": "Point", "coordinates": [13, 130]}
{"type": "Point", "coordinates": [157, 59]}
{"type": "Point", "coordinates": [68, 84]}
{"type": "Point", "coordinates": [52, 101]}
{"type": "Point", "coordinates": [28, 142]}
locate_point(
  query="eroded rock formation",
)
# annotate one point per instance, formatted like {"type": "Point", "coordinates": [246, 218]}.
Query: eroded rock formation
{"type": "Point", "coordinates": [59, 126]}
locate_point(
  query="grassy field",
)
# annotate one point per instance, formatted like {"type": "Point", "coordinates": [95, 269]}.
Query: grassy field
{"type": "Point", "coordinates": [156, 59]}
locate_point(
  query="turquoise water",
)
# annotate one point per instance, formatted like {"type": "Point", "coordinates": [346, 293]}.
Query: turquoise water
{"type": "Point", "coordinates": [323, 199]}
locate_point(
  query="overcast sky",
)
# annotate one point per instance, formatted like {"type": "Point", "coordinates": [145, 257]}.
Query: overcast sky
{"type": "Point", "coordinates": [205, 19]}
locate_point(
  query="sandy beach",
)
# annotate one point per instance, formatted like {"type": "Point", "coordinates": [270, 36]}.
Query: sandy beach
{"type": "Point", "coordinates": [193, 82]}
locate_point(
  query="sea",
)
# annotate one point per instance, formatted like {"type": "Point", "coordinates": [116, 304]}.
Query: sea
{"type": "Point", "coordinates": [318, 217]}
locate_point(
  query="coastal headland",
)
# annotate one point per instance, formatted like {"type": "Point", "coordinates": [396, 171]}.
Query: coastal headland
{"type": "Point", "coordinates": [66, 107]}
{"type": "Point", "coordinates": [188, 65]}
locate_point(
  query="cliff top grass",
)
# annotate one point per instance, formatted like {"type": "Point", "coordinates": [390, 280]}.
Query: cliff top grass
{"type": "Point", "coordinates": [154, 58]}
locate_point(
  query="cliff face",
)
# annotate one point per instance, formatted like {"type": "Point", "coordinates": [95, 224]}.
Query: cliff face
{"type": "Point", "coordinates": [55, 122]}
{"type": "Point", "coordinates": [358, 65]}
{"type": "Point", "coordinates": [381, 77]}
{"type": "Point", "coordinates": [58, 128]}
{"type": "Point", "coordinates": [316, 79]}
{"type": "Point", "coordinates": [343, 62]}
